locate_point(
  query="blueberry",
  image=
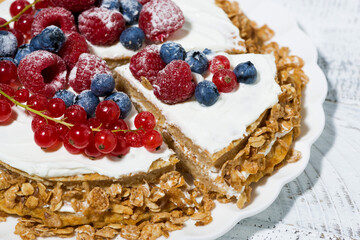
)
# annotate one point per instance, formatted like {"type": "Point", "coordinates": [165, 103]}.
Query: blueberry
{"type": "Point", "coordinates": [206, 93]}
{"type": "Point", "coordinates": [207, 51]}
{"type": "Point", "coordinates": [111, 4]}
{"type": "Point", "coordinates": [67, 96]}
{"type": "Point", "coordinates": [9, 59]}
{"type": "Point", "coordinates": [123, 101]}
{"type": "Point", "coordinates": [50, 39]}
{"type": "Point", "coordinates": [132, 38]}
{"type": "Point", "coordinates": [172, 51]}
{"type": "Point", "coordinates": [8, 44]}
{"type": "Point", "coordinates": [130, 10]}
{"type": "Point", "coordinates": [198, 61]}
{"type": "Point", "coordinates": [102, 85]}
{"type": "Point", "coordinates": [88, 101]}
{"type": "Point", "coordinates": [22, 52]}
{"type": "Point", "coordinates": [246, 72]}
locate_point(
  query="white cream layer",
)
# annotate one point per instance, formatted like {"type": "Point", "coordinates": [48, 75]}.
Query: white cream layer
{"type": "Point", "coordinates": [214, 128]}
{"type": "Point", "coordinates": [206, 25]}
{"type": "Point", "coordinates": [18, 149]}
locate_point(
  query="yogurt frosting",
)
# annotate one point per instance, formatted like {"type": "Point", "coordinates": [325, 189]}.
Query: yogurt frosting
{"type": "Point", "coordinates": [214, 128]}
{"type": "Point", "coordinates": [206, 25]}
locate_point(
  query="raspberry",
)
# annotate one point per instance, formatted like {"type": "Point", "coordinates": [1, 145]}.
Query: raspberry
{"type": "Point", "coordinates": [101, 26]}
{"type": "Point", "coordinates": [85, 69]}
{"type": "Point", "coordinates": [147, 63]}
{"type": "Point", "coordinates": [159, 18]}
{"type": "Point", "coordinates": [43, 73]}
{"type": "Point", "coordinates": [174, 83]}
{"type": "Point", "coordinates": [73, 47]}
{"type": "Point", "coordinates": [74, 5]}
{"type": "Point", "coordinates": [57, 16]}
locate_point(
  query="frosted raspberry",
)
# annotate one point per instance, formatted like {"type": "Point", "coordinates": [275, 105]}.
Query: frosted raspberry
{"type": "Point", "coordinates": [159, 18]}
{"type": "Point", "coordinates": [142, 2]}
{"type": "Point", "coordinates": [147, 63]}
{"type": "Point", "coordinates": [74, 5]}
{"type": "Point", "coordinates": [74, 46]}
{"type": "Point", "coordinates": [43, 73]}
{"type": "Point", "coordinates": [57, 16]}
{"type": "Point", "coordinates": [85, 69]}
{"type": "Point", "coordinates": [101, 26]}
{"type": "Point", "coordinates": [174, 83]}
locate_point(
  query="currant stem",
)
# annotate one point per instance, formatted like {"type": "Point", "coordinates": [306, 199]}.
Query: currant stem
{"type": "Point", "coordinates": [20, 13]}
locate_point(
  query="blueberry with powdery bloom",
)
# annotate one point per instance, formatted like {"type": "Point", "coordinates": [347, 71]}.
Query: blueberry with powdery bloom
{"type": "Point", "coordinates": [123, 101]}
{"type": "Point", "coordinates": [132, 38]}
{"type": "Point", "coordinates": [130, 9]}
{"type": "Point", "coordinates": [111, 4]}
{"type": "Point", "coordinates": [102, 84]}
{"type": "Point", "coordinates": [67, 96]}
{"type": "Point", "coordinates": [8, 44]}
{"type": "Point", "coordinates": [198, 61]}
{"type": "Point", "coordinates": [206, 93]}
{"type": "Point", "coordinates": [22, 52]}
{"type": "Point", "coordinates": [246, 73]}
{"type": "Point", "coordinates": [50, 39]}
{"type": "Point", "coordinates": [88, 100]}
{"type": "Point", "coordinates": [170, 51]}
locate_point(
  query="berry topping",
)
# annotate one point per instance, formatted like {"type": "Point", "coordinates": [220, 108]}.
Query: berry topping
{"type": "Point", "coordinates": [174, 83]}
{"type": "Point", "coordinates": [198, 61]}
{"type": "Point", "coordinates": [102, 85]}
{"type": "Point", "coordinates": [9, 91]}
{"type": "Point", "coordinates": [143, 1]}
{"type": "Point", "coordinates": [246, 72]}
{"type": "Point", "coordinates": [19, 36]}
{"type": "Point", "coordinates": [3, 21]}
{"type": "Point", "coordinates": [56, 16]}
{"type": "Point", "coordinates": [206, 93]}
{"type": "Point", "coordinates": [42, 72]}
{"type": "Point", "coordinates": [91, 151]}
{"type": "Point", "coordinates": [207, 51]}
{"type": "Point", "coordinates": [75, 114]}
{"type": "Point", "coordinates": [118, 125]}
{"type": "Point", "coordinates": [159, 18]}
{"type": "Point", "coordinates": [74, 46]}
{"type": "Point", "coordinates": [88, 101]}
{"type": "Point", "coordinates": [61, 130]}
{"type": "Point", "coordinates": [37, 122]}
{"type": "Point", "coordinates": [74, 5]}
{"type": "Point", "coordinates": [24, 24]}
{"type": "Point", "coordinates": [123, 101]}
{"type": "Point", "coordinates": [84, 71]}
{"type": "Point", "coordinates": [8, 44]}
{"type": "Point", "coordinates": [219, 62]}
{"type": "Point", "coordinates": [45, 136]}
{"type": "Point", "coordinates": [152, 140]}
{"type": "Point", "coordinates": [22, 95]}
{"type": "Point", "coordinates": [101, 26]}
{"type": "Point", "coordinates": [22, 52]}
{"type": "Point", "coordinates": [8, 72]}
{"type": "Point", "coordinates": [43, 4]}
{"type": "Point", "coordinates": [5, 111]}
{"type": "Point", "coordinates": [70, 148]}
{"type": "Point", "coordinates": [56, 107]}
{"type": "Point", "coordinates": [8, 59]}
{"type": "Point", "coordinates": [134, 139]}
{"type": "Point", "coordinates": [17, 6]}
{"type": "Point", "coordinates": [111, 4]}
{"type": "Point", "coordinates": [130, 9]}
{"type": "Point", "coordinates": [95, 123]}
{"type": "Point", "coordinates": [67, 96]}
{"type": "Point", "coordinates": [122, 147]}
{"type": "Point", "coordinates": [107, 112]}
{"type": "Point", "coordinates": [37, 102]}
{"type": "Point", "coordinates": [50, 39]}
{"type": "Point", "coordinates": [80, 135]}
{"type": "Point", "coordinates": [225, 80]}
{"type": "Point", "coordinates": [145, 120]}
{"type": "Point", "coordinates": [132, 38]}
{"type": "Point", "coordinates": [170, 51]}
{"type": "Point", "coordinates": [147, 63]}
{"type": "Point", "coordinates": [105, 141]}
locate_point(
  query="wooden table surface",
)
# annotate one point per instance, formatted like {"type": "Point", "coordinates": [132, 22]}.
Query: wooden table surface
{"type": "Point", "coordinates": [324, 201]}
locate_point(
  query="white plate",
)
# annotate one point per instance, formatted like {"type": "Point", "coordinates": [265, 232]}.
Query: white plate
{"type": "Point", "coordinates": [227, 215]}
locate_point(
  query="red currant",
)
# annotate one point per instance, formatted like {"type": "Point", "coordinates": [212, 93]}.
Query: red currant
{"type": "Point", "coordinates": [19, 36]}
{"type": "Point", "coordinates": [45, 136]}
{"type": "Point", "coordinates": [22, 95]}
{"type": "Point", "coordinates": [5, 111]}
{"type": "Point", "coordinates": [80, 135]}
{"type": "Point", "coordinates": [38, 122]}
{"type": "Point", "coordinates": [9, 91]}
{"type": "Point", "coordinates": [152, 140]}
{"type": "Point", "coordinates": [91, 151]}
{"type": "Point", "coordinates": [43, 4]}
{"type": "Point", "coordinates": [105, 141]}
{"type": "Point", "coordinates": [219, 62]}
{"type": "Point", "coordinates": [134, 139]}
{"type": "Point", "coordinates": [8, 72]}
{"type": "Point", "coordinates": [118, 125]}
{"type": "Point", "coordinates": [145, 120]}
{"type": "Point", "coordinates": [3, 21]}
{"type": "Point", "coordinates": [107, 111]}
{"type": "Point", "coordinates": [24, 24]}
{"type": "Point", "coordinates": [70, 148]}
{"type": "Point", "coordinates": [75, 114]}
{"type": "Point", "coordinates": [225, 80]}
{"type": "Point", "coordinates": [56, 107]}
{"type": "Point", "coordinates": [61, 130]}
{"type": "Point", "coordinates": [17, 6]}
{"type": "Point", "coordinates": [122, 147]}
{"type": "Point", "coordinates": [37, 102]}
{"type": "Point", "coordinates": [95, 123]}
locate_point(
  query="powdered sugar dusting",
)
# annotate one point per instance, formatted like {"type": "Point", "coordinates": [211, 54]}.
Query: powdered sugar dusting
{"type": "Point", "coordinates": [8, 43]}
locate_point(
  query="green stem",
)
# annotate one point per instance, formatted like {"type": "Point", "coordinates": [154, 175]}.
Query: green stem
{"type": "Point", "coordinates": [20, 13]}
